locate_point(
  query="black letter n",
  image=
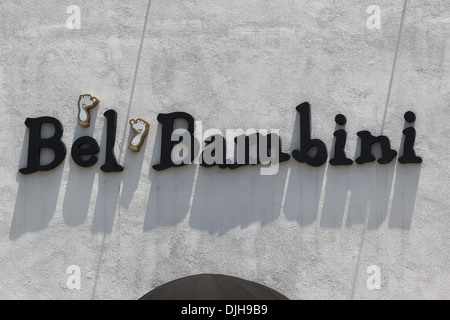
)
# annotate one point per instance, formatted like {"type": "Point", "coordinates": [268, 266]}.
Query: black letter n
{"type": "Point", "coordinates": [36, 143]}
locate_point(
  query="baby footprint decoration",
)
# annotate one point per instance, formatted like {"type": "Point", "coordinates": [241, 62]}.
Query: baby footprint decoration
{"type": "Point", "coordinates": [85, 102]}
{"type": "Point", "coordinates": [140, 127]}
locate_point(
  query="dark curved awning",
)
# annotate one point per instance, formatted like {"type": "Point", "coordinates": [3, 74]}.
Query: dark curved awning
{"type": "Point", "coordinates": [212, 287]}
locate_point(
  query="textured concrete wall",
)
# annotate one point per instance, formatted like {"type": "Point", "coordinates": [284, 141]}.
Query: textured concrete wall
{"type": "Point", "coordinates": [307, 232]}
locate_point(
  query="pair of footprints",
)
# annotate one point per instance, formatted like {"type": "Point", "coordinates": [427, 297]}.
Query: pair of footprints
{"type": "Point", "coordinates": [139, 126]}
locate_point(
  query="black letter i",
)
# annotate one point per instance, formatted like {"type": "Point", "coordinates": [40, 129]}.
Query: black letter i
{"type": "Point", "coordinates": [409, 155]}
{"type": "Point", "coordinates": [341, 137]}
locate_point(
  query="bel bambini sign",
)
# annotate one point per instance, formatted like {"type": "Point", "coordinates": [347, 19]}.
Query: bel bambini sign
{"type": "Point", "coordinates": [237, 148]}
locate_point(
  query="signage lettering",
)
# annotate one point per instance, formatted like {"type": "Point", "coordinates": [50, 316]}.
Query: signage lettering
{"type": "Point", "coordinates": [184, 146]}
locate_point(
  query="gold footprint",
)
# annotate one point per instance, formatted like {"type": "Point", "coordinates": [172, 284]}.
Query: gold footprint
{"type": "Point", "coordinates": [140, 127]}
{"type": "Point", "coordinates": [85, 102]}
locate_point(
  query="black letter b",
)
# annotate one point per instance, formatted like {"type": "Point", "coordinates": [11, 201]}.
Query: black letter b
{"type": "Point", "coordinates": [36, 143]}
{"type": "Point", "coordinates": [306, 143]}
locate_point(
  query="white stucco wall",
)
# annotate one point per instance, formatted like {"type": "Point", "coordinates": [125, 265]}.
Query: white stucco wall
{"type": "Point", "coordinates": [306, 232]}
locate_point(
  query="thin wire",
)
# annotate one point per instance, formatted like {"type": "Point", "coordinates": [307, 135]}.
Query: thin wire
{"type": "Point", "coordinates": [382, 128]}
{"type": "Point", "coordinates": [134, 79]}
{"type": "Point", "coordinates": [393, 68]}
{"type": "Point", "coordinates": [123, 140]}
